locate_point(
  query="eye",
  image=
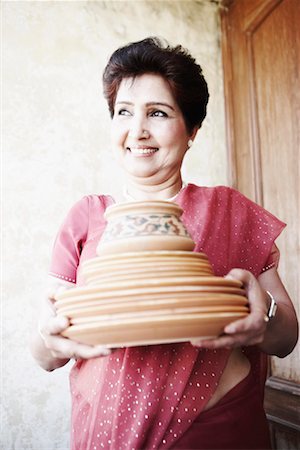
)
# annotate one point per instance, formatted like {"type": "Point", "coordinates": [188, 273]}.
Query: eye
{"type": "Point", "coordinates": [158, 113]}
{"type": "Point", "coordinates": [123, 112]}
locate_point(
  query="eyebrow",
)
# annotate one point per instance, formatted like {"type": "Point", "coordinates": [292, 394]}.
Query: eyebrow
{"type": "Point", "coordinates": [121, 102]}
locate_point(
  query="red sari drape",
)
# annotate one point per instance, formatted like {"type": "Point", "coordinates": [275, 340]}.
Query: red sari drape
{"type": "Point", "coordinates": [151, 397]}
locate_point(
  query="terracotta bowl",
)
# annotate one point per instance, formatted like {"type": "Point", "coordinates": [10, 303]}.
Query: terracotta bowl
{"type": "Point", "coordinates": [143, 226]}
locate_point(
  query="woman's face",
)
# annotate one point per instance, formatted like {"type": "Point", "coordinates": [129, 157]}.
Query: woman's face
{"type": "Point", "coordinates": [149, 135]}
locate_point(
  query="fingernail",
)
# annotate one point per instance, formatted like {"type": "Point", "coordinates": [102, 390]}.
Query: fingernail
{"type": "Point", "coordinates": [63, 321]}
{"type": "Point", "coordinates": [229, 330]}
{"type": "Point", "coordinates": [229, 277]}
{"type": "Point", "coordinates": [196, 343]}
{"type": "Point", "coordinates": [104, 350]}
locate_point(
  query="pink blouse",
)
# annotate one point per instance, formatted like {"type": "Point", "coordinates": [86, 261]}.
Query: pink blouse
{"type": "Point", "coordinates": [148, 397]}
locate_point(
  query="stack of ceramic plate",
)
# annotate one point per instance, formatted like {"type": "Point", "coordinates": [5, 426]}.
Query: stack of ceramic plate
{"type": "Point", "coordinates": [145, 265]}
{"type": "Point", "coordinates": [150, 297]}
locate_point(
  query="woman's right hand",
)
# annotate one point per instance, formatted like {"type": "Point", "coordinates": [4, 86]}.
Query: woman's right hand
{"type": "Point", "coordinates": [64, 348]}
{"type": "Point", "coordinates": [50, 349]}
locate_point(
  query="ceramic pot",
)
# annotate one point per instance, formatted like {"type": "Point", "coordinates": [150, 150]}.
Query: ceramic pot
{"type": "Point", "coordinates": [143, 226]}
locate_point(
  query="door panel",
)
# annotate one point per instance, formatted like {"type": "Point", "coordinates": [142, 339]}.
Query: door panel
{"type": "Point", "coordinates": [277, 96]}
{"type": "Point", "coordinates": [261, 58]}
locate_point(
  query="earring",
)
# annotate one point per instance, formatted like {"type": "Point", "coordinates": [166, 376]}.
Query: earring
{"type": "Point", "coordinates": [190, 143]}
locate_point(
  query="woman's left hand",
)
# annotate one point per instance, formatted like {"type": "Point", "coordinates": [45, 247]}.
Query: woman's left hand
{"type": "Point", "coordinates": [249, 330]}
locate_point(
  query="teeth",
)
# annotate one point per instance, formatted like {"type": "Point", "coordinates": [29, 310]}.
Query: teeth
{"type": "Point", "coordinates": [143, 151]}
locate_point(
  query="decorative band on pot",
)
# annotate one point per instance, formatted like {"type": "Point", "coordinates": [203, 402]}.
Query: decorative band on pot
{"type": "Point", "coordinates": [140, 226]}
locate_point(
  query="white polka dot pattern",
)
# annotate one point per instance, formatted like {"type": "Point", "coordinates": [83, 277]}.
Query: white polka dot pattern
{"type": "Point", "coordinates": [147, 397]}
{"type": "Point", "coordinates": [150, 395]}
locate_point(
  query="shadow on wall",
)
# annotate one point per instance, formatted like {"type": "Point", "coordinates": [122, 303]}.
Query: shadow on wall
{"type": "Point", "coordinates": [57, 150]}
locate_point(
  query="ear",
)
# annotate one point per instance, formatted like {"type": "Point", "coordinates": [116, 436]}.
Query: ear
{"type": "Point", "coordinates": [193, 134]}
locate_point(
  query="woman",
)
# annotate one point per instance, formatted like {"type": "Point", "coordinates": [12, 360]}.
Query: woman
{"type": "Point", "coordinates": [204, 394]}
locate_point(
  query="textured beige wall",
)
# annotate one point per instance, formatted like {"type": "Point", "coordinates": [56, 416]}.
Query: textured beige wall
{"type": "Point", "coordinates": [56, 149]}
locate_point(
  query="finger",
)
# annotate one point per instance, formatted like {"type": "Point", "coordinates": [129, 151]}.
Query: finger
{"type": "Point", "coordinates": [240, 275]}
{"type": "Point", "coordinates": [255, 322]}
{"type": "Point", "coordinates": [212, 344]}
{"type": "Point", "coordinates": [228, 341]}
{"type": "Point", "coordinates": [62, 347]}
{"type": "Point", "coordinates": [256, 295]}
{"type": "Point", "coordinates": [59, 290]}
{"type": "Point", "coordinates": [87, 352]}
{"type": "Point", "coordinates": [222, 342]}
{"type": "Point", "coordinates": [66, 348]}
{"type": "Point", "coordinates": [247, 331]}
{"type": "Point", "coordinates": [56, 325]}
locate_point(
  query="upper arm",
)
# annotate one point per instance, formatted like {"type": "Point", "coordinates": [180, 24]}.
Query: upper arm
{"type": "Point", "coordinates": [69, 241]}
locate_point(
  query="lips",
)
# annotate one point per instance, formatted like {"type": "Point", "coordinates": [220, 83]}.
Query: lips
{"type": "Point", "coordinates": [142, 150]}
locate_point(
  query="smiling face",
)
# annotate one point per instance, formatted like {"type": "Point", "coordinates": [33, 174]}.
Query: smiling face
{"type": "Point", "coordinates": [149, 135]}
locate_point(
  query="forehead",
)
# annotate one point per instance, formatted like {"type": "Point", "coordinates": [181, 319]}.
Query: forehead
{"type": "Point", "coordinates": [147, 87]}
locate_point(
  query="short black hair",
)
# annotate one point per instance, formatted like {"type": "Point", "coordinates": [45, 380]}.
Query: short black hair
{"type": "Point", "coordinates": [175, 64]}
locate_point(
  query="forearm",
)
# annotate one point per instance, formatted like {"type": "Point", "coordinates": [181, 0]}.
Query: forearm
{"type": "Point", "coordinates": [281, 333]}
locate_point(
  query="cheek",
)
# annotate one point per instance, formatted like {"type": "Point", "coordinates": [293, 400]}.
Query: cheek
{"type": "Point", "coordinates": [176, 135]}
{"type": "Point", "coordinates": [117, 135]}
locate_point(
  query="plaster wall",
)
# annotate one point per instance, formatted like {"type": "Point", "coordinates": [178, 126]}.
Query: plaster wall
{"type": "Point", "coordinates": [56, 149]}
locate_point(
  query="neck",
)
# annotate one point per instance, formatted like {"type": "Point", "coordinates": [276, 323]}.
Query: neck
{"type": "Point", "coordinates": [164, 191]}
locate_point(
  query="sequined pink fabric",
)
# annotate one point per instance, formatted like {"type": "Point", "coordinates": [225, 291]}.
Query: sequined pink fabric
{"type": "Point", "coordinates": [148, 397]}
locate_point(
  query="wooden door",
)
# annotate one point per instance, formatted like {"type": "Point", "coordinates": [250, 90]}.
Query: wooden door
{"type": "Point", "coordinates": [261, 58]}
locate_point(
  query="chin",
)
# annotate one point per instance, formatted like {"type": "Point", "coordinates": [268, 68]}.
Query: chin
{"type": "Point", "coordinates": [140, 175]}
{"type": "Point", "coordinates": [135, 170]}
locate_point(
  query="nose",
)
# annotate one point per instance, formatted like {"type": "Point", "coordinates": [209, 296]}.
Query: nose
{"type": "Point", "coordinates": [138, 129]}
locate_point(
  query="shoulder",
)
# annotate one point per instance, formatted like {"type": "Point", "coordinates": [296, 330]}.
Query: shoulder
{"type": "Point", "coordinates": [91, 202]}
{"type": "Point", "coordinates": [209, 190]}
{"type": "Point", "coordinates": [225, 201]}
{"type": "Point", "coordinates": [221, 193]}
{"type": "Point", "coordinates": [210, 193]}
{"type": "Point", "coordinates": [86, 211]}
